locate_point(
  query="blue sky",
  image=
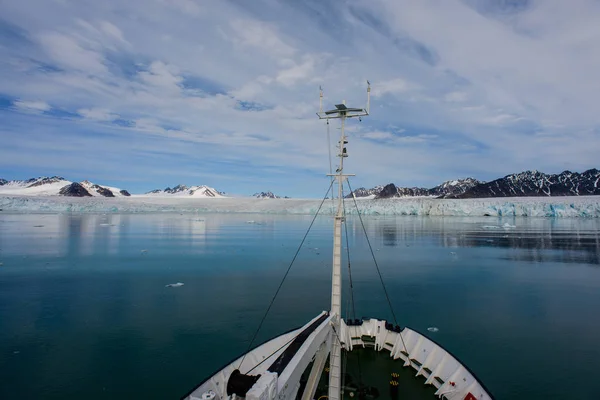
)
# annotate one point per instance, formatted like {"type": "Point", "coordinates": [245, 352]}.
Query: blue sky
{"type": "Point", "coordinates": [144, 94]}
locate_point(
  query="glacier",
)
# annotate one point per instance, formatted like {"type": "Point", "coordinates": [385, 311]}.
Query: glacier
{"type": "Point", "coordinates": [570, 207]}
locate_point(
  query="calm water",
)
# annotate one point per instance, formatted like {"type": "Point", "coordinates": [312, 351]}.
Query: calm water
{"type": "Point", "coordinates": [85, 313]}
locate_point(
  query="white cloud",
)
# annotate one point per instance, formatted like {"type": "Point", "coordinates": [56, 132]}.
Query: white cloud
{"type": "Point", "coordinates": [502, 119]}
{"type": "Point", "coordinates": [293, 72]}
{"type": "Point", "coordinates": [188, 7]}
{"type": "Point", "coordinates": [397, 137]}
{"type": "Point", "coordinates": [378, 135]}
{"type": "Point", "coordinates": [162, 76]}
{"type": "Point", "coordinates": [69, 53]}
{"type": "Point", "coordinates": [392, 86]}
{"type": "Point", "coordinates": [260, 35]}
{"type": "Point", "coordinates": [97, 114]}
{"type": "Point", "coordinates": [112, 30]}
{"type": "Point", "coordinates": [31, 106]}
{"type": "Point", "coordinates": [456, 97]}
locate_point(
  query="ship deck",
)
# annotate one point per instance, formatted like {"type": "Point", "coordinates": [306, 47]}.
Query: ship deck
{"type": "Point", "coordinates": [372, 370]}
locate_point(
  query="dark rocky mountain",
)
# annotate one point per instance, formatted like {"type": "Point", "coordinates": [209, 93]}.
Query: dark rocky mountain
{"type": "Point", "coordinates": [103, 191]}
{"type": "Point", "coordinates": [176, 189]}
{"type": "Point", "coordinates": [535, 183]}
{"type": "Point", "coordinates": [266, 195]}
{"type": "Point", "coordinates": [412, 192]}
{"type": "Point", "coordinates": [389, 190]}
{"type": "Point", "coordinates": [125, 193]}
{"type": "Point", "coordinates": [3, 182]}
{"type": "Point", "coordinates": [454, 188]}
{"type": "Point", "coordinates": [74, 190]}
{"type": "Point", "coordinates": [95, 188]}
{"type": "Point", "coordinates": [363, 192]}
{"type": "Point", "coordinates": [33, 182]}
{"type": "Point", "coordinates": [392, 190]}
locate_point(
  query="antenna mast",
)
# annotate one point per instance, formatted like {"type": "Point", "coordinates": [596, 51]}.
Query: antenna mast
{"type": "Point", "coordinates": [341, 112]}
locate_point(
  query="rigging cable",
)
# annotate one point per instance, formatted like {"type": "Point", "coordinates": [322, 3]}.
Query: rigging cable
{"type": "Point", "coordinates": [350, 279]}
{"type": "Point", "coordinates": [285, 276]}
{"type": "Point", "coordinates": [329, 150]}
{"type": "Point", "coordinates": [376, 265]}
{"type": "Point", "coordinates": [271, 355]}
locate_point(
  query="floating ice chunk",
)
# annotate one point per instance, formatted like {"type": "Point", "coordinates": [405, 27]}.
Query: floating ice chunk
{"type": "Point", "coordinates": [432, 329]}
{"type": "Point", "coordinates": [144, 251]}
{"type": "Point", "coordinates": [103, 224]}
{"type": "Point", "coordinates": [1, 264]}
{"type": "Point", "coordinates": [178, 284]}
{"type": "Point", "coordinates": [508, 226]}
{"type": "Point", "coordinates": [490, 227]}
{"type": "Point", "coordinates": [452, 253]}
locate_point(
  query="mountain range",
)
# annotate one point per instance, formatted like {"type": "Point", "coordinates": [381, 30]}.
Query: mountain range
{"type": "Point", "coordinates": [56, 185]}
{"type": "Point", "coordinates": [452, 188]}
{"type": "Point", "coordinates": [535, 183]}
{"type": "Point", "coordinates": [523, 184]}
{"type": "Point", "coordinates": [185, 191]}
{"type": "Point", "coordinates": [267, 195]}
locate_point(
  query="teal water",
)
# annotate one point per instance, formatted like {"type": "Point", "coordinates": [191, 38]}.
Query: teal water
{"type": "Point", "coordinates": [84, 312]}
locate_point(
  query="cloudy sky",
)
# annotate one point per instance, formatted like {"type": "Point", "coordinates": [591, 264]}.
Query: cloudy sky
{"type": "Point", "coordinates": [144, 94]}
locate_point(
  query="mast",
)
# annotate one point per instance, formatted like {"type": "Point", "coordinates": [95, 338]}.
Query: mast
{"type": "Point", "coordinates": [341, 112]}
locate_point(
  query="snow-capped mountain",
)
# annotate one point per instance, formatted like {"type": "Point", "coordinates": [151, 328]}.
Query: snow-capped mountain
{"type": "Point", "coordinates": [42, 186]}
{"type": "Point", "coordinates": [106, 191]}
{"type": "Point", "coordinates": [266, 195]}
{"type": "Point", "coordinates": [57, 186]}
{"type": "Point", "coordinates": [528, 183]}
{"type": "Point", "coordinates": [185, 191]}
{"type": "Point", "coordinates": [391, 190]}
{"type": "Point", "coordinates": [363, 192]}
{"type": "Point", "coordinates": [454, 188]}
{"type": "Point", "coordinates": [535, 183]}
{"type": "Point", "coordinates": [75, 190]}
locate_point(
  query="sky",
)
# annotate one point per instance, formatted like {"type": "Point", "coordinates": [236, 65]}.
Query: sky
{"type": "Point", "coordinates": [145, 94]}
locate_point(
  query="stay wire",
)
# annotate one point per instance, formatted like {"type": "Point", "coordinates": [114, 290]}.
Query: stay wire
{"type": "Point", "coordinates": [376, 265]}
{"type": "Point", "coordinates": [285, 276]}
{"type": "Point", "coordinates": [348, 257]}
{"type": "Point", "coordinates": [271, 355]}
{"type": "Point", "coordinates": [350, 280]}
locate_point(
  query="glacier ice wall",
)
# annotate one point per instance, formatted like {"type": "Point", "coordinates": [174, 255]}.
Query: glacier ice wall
{"type": "Point", "coordinates": [587, 207]}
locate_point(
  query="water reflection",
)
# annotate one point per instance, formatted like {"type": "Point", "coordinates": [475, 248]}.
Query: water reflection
{"type": "Point", "coordinates": [87, 234]}
{"type": "Point", "coordinates": [65, 235]}
{"type": "Point", "coordinates": [535, 239]}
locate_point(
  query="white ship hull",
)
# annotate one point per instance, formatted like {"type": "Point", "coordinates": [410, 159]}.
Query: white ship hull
{"type": "Point", "coordinates": [425, 357]}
